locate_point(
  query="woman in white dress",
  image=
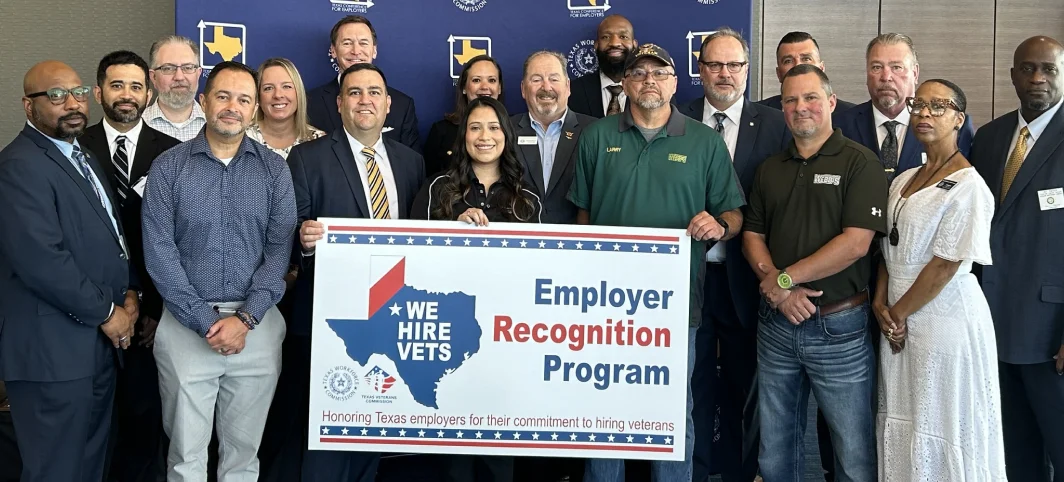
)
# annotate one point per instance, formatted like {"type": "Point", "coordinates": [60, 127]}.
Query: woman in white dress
{"type": "Point", "coordinates": [939, 402]}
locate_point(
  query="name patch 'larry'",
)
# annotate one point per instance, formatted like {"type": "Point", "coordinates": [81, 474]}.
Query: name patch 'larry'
{"type": "Point", "coordinates": [832, 179]}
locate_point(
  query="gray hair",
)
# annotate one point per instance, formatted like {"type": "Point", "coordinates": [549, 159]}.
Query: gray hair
{"type": "Point", "coordinates": [171, 39]}
{"type": "Point", "coordinates": [726, 32]}
{"type": "Point", "coordinates": [893, 38]}
{"type": "Point", "coordinates": [559, 57]}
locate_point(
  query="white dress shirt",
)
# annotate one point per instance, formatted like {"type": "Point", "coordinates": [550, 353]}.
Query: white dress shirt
{"type": "Point", "coordinates": [385, 167]}
{"type": "Point", "coordinates": [606, 95]}
{"type": "Point", "coordinates": [899, 130]}
{"type": "Point", "coordinates": [1034, 129]}
{"type": "Point", "coordinates": [131, 144]}
{"type": "Point", "coordinates": [716, 254]}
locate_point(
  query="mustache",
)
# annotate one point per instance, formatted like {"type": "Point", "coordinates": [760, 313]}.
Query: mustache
{"type": "Point", "coordinates": [130, 102]}
{"type": "Point", "coordinates": [231, 115]}
{"type": "Point", "coordinates": [74, 115]}
{"type": "Point", "coordinates": [545, 95]}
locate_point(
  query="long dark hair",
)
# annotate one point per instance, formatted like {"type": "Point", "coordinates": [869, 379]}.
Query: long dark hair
{"type": "Point", "coordinates": [459, 177]}
{"type": "Point", "coordinates": [460, 99]}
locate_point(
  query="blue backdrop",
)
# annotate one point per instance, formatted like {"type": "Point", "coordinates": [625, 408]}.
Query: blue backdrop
{"type": "Point", "coordinates": [421, 42]}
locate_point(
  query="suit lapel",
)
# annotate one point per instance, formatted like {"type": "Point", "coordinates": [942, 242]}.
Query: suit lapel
{"type": "Point", "coordinates": [909, 157]}
{"type": "Point", "coordinates": [342, 149]}
{"type": "Point", "coordinates": [749, 125]}
{"type": "Point", "coordinates": [399, 175]}
{"type": "Point", "coordinates": [866, 125]}
{"type": "Point", "coordinates": [1047, 143]}
{"type": "Point", "coordinates": [594, 96]}
{"type": "Point", "coordinates": [530, 152]}
{"type": "Point", "coordinates": [146, 152]}
{"type": "Point", "coordinates": [1000, 155]}
{"type": "Point", "coordinates": [564, 153]}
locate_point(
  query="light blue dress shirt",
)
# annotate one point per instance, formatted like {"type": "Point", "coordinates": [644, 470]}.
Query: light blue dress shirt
{"type": "Point", "coordinates": [548, 144]}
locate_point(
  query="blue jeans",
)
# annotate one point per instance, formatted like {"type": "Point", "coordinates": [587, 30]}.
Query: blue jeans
{"type": "Point", "coordinates": [833, 356]}
{"type": "Point", "coordinates": [612, 470]}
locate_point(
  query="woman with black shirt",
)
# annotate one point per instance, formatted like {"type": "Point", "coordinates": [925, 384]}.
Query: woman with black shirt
{"type": "Point", "coordinates": [481, 77]}
{"type": "Point", "coordinates": [484, 183]}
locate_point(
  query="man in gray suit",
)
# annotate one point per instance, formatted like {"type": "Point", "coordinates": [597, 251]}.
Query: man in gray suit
{"type": "Point", "coordinates": [1021, 157]}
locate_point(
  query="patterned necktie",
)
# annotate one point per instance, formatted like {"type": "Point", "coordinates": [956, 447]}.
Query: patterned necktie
{"type": "Point", "coordinates": [1012, 166]}
{"type": "Point", "coordinates": [615, 99]}
{"type": "Point", "coordinates": [86, 171]}
{"type": "Point", "coordinates": [719, 117]}
{"type": "Point", "coordinates": [121, 162]}
{"type": "Point", "coordinates": [378, 193]}
{"type": "Point", "coordinates": [888, 153]}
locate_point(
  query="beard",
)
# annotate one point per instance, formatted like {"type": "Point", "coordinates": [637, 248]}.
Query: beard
{"type": "Point", "coordinates": [223, 129]}
{"type": "Point", "coordinates": [59, 131]}
{"type": "Point", "coordinates": [610, 67]}
{"type": "Point", "coordinates": [651, 103]}
{"type": "Point", "coordinates": [124, 117]}
{"type": "Point", "coordinates": [1037, 105]}
{"type": "Point", "coordinates": [803, 132]}
{"type": "Point", "coordinates": [724, 97]}
{"type": "Point", "coordinates": [176, 99]}
{"type": "Point", "coordinates": [544, 109]}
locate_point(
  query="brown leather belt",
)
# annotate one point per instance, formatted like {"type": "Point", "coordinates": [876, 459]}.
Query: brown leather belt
{"type": "Point", "coordinates": [855, 300]}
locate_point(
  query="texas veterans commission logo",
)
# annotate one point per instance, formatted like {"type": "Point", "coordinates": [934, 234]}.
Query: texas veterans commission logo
{"type": "Point", "coordinates": [380, 382]}
{"type": "Point", "coordinates": [220, 42]}
{"type": "Point", "coordinates": [470, 5]}
{"type": "Point", "coordinates": [351, 6]}
{"type": "Point", "coordinates": [582, 59]}
{"type": "Point", "coordinates": [340, 383]}
{"type": "Point", "coordinates": [465, 48]}
{"type": "Point", "coordinates": [588, 8]}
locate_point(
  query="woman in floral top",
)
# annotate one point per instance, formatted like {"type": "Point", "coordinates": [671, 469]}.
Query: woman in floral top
{"type": "Point", "coordinates": [281, 119]}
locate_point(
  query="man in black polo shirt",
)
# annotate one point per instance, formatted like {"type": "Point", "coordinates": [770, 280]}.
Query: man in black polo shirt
{"type": "Point", "coordinates": [814, 211]}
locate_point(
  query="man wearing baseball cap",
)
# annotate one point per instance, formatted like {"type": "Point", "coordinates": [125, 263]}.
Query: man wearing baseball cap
{"type": "Point", "coordinates": [625, 162]}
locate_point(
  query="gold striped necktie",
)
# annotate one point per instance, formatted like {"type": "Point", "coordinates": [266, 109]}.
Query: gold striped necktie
{"type": "Point", "coordinates": [378, 194]}
{"type": "Point", "coordinates": [1012, 166]}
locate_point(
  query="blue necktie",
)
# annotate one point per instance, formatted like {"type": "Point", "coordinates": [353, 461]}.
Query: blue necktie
{"type": "Point", "coordinates": [86, 171]}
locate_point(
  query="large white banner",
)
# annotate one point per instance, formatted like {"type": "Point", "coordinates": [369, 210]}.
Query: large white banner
{"type": "Point", "coordinates": [511, 339]}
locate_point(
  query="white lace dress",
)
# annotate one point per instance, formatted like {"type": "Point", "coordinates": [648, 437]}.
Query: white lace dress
{"type": "Point", "coordinates": [939, 401]}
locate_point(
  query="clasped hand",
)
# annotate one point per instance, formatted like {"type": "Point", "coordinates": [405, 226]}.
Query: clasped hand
{"type": "Point", "coordinates": [793, 303]}
{"type": "Point", "coordinates": [227, 336]}
{"type": "Point", "coordinates": [892, 324]}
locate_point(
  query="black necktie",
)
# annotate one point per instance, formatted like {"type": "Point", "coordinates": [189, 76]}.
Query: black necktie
{"type": "Point", "coordinates": [615, 99]}
{"type": "Point", "coordinates": [720, 117]}
{"type": "Point", "coordinates": [121, 162]}
{"type": "Point", "coordinates": [888, 152]}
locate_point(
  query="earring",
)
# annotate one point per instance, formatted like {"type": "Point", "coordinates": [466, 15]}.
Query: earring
{"type": "Point", "coordinates": [956, 128]}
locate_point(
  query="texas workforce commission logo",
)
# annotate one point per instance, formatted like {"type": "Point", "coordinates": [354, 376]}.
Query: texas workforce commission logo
{"type": "Point", "coordinates": [470, 5]}
{"type": "Point", "coordinates": [694, 51]}
{"type": "Point", "coordinates": [588, 8]}
{"type": "Point", "coordinates": [340, 383]}
{"type": "Point", "coordinates": [220, 42]}
{"type": "Point", "coordinates": [582, 59]}
{"type": "Point", "coordinates": [351, 6]}
{"type": "Point", "coordinates": [464, 48]}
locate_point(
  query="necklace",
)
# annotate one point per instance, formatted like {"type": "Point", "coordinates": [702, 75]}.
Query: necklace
{"type": "Point", "coordinates": [894, 237]}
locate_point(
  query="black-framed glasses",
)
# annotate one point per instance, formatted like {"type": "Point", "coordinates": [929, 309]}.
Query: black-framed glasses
{"type": "Point", "coordinates": [640, 75]}
{"type": "Point", "coordinates": [171, 69]}
{"type": "Point", "coordinates": [733, 67]}
{"type": "Point", "coordinates": [937, 107]}
{"type": "Point", "coordinates": [58, 95]}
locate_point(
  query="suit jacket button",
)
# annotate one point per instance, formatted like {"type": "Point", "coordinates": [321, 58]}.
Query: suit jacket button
{"type": "Point", "coordinates": [123, 256]}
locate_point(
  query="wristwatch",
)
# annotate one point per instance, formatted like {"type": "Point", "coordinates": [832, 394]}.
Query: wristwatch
{"type": "Point", "coordinates": [723, 224]}
{"type": "Point", "coordinates": [784, 280]}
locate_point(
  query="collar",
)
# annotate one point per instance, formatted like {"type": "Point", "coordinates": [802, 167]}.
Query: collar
{"type": "Point", "coordinates": [356, 146]}
{"type": "Point", "coordinates": [65, 147]}
{"type": "Point", "coordinates": [558, 122]}
{"type": "Point", "coordinates": [1039, 124]}
{"type": "Point", "coordinates": [880, 118]}
{"type": "Point", "coordinates": [155, 112]}
{"type": "Point", "coordinates": [676, 125]}
{"type": "Point", "coordinates": [199, 145]}
{"type": "Point", "coordinates": [131, 137]}
{"type": "Point", "coordinates": [734, 112]}
{"type": "Point", "coordinates": [831, 147]}
{"type": "Point", "coordinates": [606, 81]}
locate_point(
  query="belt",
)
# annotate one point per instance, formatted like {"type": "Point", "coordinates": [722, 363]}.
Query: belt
{"type": "Point", "coordinates": [855, 300]}
{"type": "Point", "coordinates": [227, 307]}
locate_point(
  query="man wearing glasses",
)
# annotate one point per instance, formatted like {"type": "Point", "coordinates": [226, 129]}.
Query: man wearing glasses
{"type": "Point", "coordinates": [175, 73]}
{"type": "Point", "coordinates": [648, 149]}
{"type": "Point", "coordinates": [752, 133]}
{"type": "Point", "coordinates": [67, 290]}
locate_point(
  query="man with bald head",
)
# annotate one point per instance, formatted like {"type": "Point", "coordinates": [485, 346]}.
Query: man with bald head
{"type": "Point", "coordinates": [67, 291]}
{"type": "Point", "coordinates": [600, 93]}
{"type": "Point", "coordinates": [1021, 157]}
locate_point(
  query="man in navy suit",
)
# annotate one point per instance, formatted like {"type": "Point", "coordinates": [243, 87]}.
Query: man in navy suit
{"type": "Point", "coordinates": [353, 40]}
{"type": "Point", "coordinates": [798, 48]}
{"type": "Point", "coordinates": [752, 132]}
{"type": "Point", "coordinates": [882, 123]}
{"type": "Point", "coordinates": [599, 93]}
{"type": "Point", "coordinates": [1021, 157]}
{"type": "Point", "coordinates": [331, 175]}
{"type": "Point", "coordinates": [67, 290]}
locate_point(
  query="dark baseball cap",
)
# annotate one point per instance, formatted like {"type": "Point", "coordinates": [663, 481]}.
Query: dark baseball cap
{"type": "Point", "coordinates": [649, 50]}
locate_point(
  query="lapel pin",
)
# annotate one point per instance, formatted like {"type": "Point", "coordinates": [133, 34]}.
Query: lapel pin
{"type": "Point", "coordinates": [568, 136]}
{"type": "Point", "coordinates": [751, 124]}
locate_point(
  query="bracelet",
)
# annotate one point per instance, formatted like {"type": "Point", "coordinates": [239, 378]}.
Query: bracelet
{"type": "Point", "coordinates": [249, 321]}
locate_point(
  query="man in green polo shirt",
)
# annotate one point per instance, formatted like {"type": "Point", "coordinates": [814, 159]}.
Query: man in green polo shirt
{"type": "Point", "coordinates": [814, 210]}
{"type": "Point", "coordinates": [651, 166]}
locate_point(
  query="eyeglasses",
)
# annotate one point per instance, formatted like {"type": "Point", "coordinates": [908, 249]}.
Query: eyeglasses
{"type": "Point", "coordinates": [733, 67]}
{"type": "Point", "coordinates": [936, 106]}
{"type": "Point", "coordinates": [640, 75]}
{"type": "Point", "coordinates": [58, 95]}
{"type": "Point", "coordinates": [171, 69]}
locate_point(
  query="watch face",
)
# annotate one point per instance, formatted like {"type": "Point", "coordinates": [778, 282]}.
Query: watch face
{"type": "Point", "coordinates": [784, 281]}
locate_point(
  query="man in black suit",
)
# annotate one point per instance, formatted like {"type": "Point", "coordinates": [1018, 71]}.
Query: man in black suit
{"type": "Point", "coordinates": [1021, 157]}
{"type": "Point", "coordinates": [67, 291]}
{"type": "Point", "coordinates": [330, 176]}
{"type": "Point", "coordinates": [353, 41]}
{"type": "Point", "coordinates": [752, 132]}
{"type": "Point", "coordinates": [131, 145]}
{"type": "Point", "coordinates": [599, 93]}
{"type": "Point", "coordinates": [547, 135]}
{"type": "Point", "coordinates": [798, 48]}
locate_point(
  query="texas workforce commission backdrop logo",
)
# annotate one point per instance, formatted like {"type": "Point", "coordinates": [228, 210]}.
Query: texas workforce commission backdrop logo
{"type": "Point", "coordinates": [694, 51]}
{"type": "Point", "coordinates": [465, 48]}
{"type": "Point", "coordinates": [351, 6]}
{"type": "Point", "coordinates": [220, 42]}
{"type": "Point", "coordinates": [582, 59]}
{"type": "Point", "coordinates": [588, 8]}
{"type": "Point", "coordinates": [340, 383]}
{"type": "Point", "coordinates": [470, 5]}
{"type": "Point", "coordinates": [708, 2]}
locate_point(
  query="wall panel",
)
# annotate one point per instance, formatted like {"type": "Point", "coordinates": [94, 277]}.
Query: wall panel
{"type": "Point", "coordinates": [1017, 20]}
